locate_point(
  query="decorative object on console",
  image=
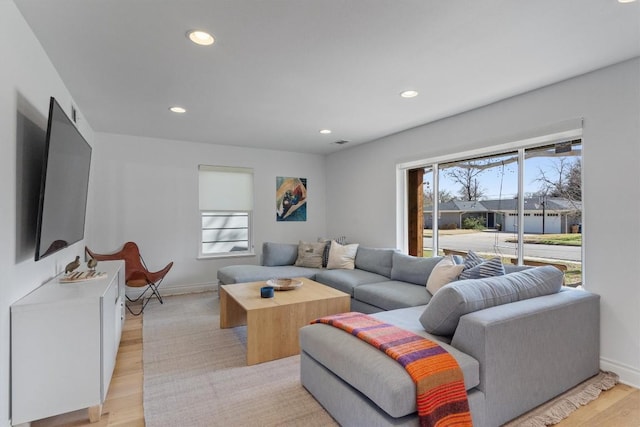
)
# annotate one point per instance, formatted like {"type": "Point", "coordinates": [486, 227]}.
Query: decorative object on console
{"type": "Point", "coordinates": [72, 265]}
{"type": "Point", "coordinates": [291, 199]}
{"type": "Point", "coordinates": [136, 273]}
{"type": "Point", "coordinates": [92, 263]}
{"type": "Point", "coordinates": [81, 276]}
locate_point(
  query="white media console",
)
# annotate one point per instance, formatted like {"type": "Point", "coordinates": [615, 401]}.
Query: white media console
{"type": "Point", "coordinates": [64, 342]}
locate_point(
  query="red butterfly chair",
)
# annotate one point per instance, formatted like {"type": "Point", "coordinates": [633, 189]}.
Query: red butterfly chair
{"type": "Point", "coordinates": [136, 273]}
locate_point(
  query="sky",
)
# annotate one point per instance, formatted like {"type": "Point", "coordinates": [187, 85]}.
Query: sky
{"type": "Point", "coordinates": [491, 180]}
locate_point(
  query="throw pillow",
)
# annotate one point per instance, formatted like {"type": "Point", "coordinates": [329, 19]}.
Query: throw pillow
{"type": "Point", "coordinates": [472, 259]}
{"type": "Point", "coordinates": [342, 256]}
{"type": "Point", "coordinates": [325, 255]}
{"type": "Point", "coordinates": [489, 268]}
{"type": "Point", "coordinates": [310, 254]}
{"type": "Point", "coordinates": [444, 272]}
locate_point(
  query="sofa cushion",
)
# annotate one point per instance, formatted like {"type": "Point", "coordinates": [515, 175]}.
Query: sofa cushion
{"type": "Point", "coordinates": [310, 254]}
{"type": "Point", "coordinates": [342, 256]}
{"type": "Point", "coordinates": [375, 260]}
{"type": "Point", "coordinates": [255, 273]}
{"type": "Point", "coordinates": [279, 253]}
{"type": "Point", "coordinates": [446, 271]}
{"type": "Point", "coordinates": [392, 294]}
{"type": "Point", "coordinates": [416, 270]}
{"type": "Point", "coordinates": [373, 373]}
{"type": "Point", "coordinates": [456, 299]}
{"type": "Point", "coordinates": [347, 280]}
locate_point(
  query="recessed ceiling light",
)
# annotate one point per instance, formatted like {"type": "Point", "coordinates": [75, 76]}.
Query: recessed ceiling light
{"type": "Point", "coordinates": [200, 37]}
{"type": "Point", "coordinates": [177, 109]}
{"type": "Point", "coordinates": [325, 131]}
{"type": "Point", "coordinates": [626, 1]}
{"type": "Point", "coordinates": [409, 93]}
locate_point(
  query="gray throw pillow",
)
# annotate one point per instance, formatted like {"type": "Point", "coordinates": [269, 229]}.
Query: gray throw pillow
{"type": "Point", "coordinates": [456, 299]}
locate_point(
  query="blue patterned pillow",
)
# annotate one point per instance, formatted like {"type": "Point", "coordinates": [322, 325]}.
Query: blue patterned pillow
{"type": "Point", "coordinates": [489, 268]}
{"type": "Point", "coordinates": [471, 260]}
{"type": "Point", "coordinates": [325, 254]}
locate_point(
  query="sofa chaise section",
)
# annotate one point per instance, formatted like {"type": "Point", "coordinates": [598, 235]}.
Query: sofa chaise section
{"type": "Point", "coordinates": [515, 354]}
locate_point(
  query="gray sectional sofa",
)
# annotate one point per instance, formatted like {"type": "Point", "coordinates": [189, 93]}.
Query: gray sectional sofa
{"type": "Point", "coordinates": [383, 279]}
{"type": "Point", "coordinates": [520, 339]}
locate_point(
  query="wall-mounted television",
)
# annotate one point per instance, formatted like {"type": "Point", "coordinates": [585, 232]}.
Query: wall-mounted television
{"type": "Point", "coordinates": [64, 185]}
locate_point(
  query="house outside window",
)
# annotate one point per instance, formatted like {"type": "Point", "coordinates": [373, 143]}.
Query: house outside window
{"type": "Point", "coordinates": [226, 207]}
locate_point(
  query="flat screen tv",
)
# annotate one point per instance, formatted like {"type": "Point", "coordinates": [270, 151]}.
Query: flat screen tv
{"type": "Point", "coordinates": [64, 185]}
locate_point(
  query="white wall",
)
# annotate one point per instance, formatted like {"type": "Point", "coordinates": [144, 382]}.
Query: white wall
{"type": "Point", "coordinates": [146, 190]}
{"type": "Point", "coordinates": [362, 180]}
{"type": "Point", "coordinates": [27, 80]}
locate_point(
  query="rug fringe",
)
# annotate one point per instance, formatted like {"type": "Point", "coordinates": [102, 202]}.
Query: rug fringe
{"type": "Point", "coordinates": [561, 407]}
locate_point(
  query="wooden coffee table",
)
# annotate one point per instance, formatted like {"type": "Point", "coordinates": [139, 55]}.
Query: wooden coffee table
{"type": "Point", "coordinates": [273, 323]}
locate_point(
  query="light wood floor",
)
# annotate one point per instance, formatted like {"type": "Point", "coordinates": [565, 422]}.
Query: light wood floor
{"type": "Point", "coordinates": [618, 407]}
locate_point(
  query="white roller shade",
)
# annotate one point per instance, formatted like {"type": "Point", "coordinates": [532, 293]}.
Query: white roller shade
{"type": "Point", "coordinates": [225, 188]}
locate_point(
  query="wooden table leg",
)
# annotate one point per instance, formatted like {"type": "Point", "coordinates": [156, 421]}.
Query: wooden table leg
{"type": "Point", "coordinates": [231, 313]}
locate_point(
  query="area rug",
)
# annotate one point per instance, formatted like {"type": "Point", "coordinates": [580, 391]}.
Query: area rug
{"type": "Point", "coordinates": [195, 374]}
{"type": "Point", "coordinates": [562, 406]}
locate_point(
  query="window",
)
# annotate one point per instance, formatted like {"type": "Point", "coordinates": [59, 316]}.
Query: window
{"type": "Point", "coordinates": [226, 206]}
{"type": "Point", "coordinates": [479, 205]}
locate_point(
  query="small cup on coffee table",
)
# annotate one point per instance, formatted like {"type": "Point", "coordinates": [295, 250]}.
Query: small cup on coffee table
{"type": "Point", "coordinates": [266, 292]}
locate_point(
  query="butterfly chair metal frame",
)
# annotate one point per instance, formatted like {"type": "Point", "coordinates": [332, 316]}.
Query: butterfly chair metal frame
{"type": "Point", "coordinates": [137, 274]}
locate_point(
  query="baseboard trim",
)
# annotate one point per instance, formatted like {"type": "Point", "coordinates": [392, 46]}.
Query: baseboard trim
{"type": "Point", "coordinates": [628, 374]}
{"type": "Point", "coordinates": [177, 289]}
{"type": "Point", "coordinates": [190, 289]}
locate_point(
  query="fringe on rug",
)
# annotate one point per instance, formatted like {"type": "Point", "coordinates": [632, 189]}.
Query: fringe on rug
{"type": "Point", "coordinates": [561, 407]}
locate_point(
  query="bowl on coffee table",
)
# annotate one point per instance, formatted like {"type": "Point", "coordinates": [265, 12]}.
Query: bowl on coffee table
{"type": "Point", "coordinates": [284, 284]}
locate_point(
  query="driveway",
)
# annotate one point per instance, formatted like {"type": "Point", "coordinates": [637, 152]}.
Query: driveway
{"type": "Point", "coordinates": [495, 242]}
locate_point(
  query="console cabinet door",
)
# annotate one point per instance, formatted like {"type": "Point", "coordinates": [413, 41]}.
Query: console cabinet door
{"type": "Point", "coordinates": [54, 361]}
{"type": "Point", "coordinates": [64, 341]}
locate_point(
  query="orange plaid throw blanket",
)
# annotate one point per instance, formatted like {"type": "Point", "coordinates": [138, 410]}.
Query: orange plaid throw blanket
{"type": "Point", "coordinates": [441, 397]}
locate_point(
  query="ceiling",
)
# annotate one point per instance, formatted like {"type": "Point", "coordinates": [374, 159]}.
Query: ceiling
{"type": "Point", "coordinates": [281, 70]}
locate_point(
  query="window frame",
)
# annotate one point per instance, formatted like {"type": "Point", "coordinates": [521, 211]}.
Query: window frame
{"type": "Point", "coordinates": [572, 131]}
{"type": "Point", "coordinates": [202, 213]}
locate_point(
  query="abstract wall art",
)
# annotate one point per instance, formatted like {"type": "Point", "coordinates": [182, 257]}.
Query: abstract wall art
{"type": "Point", "coordinates": [291, 199]}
